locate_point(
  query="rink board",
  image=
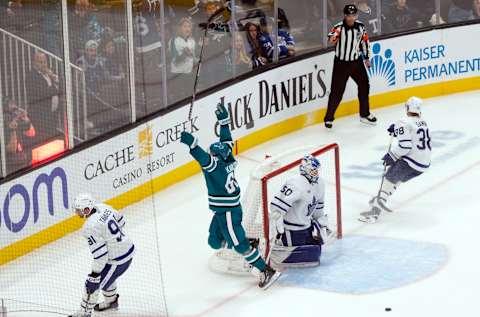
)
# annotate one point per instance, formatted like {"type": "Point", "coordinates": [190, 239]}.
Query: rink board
{"type": "Point", "coordinates": [35, 209]}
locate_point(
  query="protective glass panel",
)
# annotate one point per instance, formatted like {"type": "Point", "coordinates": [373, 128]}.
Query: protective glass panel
{"type": "Point", "coordinates": [301, 25]}
{"type": "Point", "coordinates": [403, 15]}
{"type": "Point", "coordinates": [149, 56]}
{"type": "Point", "coordinates": [32, 83]}
{"type": "Point", "coordinates": [189, 44]}
{"type": "Point", "coordinates": [254, 43]}
{"type": "Point", "coordinates": [98, 51]}
{"type": "Point", "coordinates": [460, 10]}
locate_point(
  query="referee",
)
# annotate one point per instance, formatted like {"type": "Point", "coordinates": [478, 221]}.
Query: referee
{"type": "Point", "coordinates": [351, 39]}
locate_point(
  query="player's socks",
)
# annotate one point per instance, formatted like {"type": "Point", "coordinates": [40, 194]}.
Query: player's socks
{"type": "Point", "coordinates": [253, 258]}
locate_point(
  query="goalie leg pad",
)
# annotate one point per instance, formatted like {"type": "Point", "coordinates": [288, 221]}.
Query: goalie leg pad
{"type": "Point", "coordinates": [297, 256]}
{"type": "Point", "coordinates": [298, 237]}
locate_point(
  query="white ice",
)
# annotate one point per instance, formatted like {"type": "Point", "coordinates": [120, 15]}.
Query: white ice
{"type": "Point", "coordinates": [440, 207]}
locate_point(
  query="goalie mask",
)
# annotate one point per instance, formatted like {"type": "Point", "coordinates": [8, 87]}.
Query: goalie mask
{"type": "Point", "coordinates": [309, 167]}
{"type": "Point", "coordinates": [221, 150]}
{"type": "Point", "coordinates": [83, 205]}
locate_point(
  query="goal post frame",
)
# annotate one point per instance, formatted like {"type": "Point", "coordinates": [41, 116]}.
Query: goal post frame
{"type": "Point", "coordinates": [266, 225]}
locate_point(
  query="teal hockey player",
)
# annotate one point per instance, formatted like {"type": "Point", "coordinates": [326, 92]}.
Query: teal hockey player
{"type": "Point", "coordinates": [226, 228]}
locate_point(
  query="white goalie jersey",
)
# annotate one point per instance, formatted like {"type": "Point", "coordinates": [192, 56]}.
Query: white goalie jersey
{"type": "Point", "coordinates": [413, 143]}
{"type": "Point", "coordinates": [299, 201]}
{"type": "Point", "coordinates": [106, 237]}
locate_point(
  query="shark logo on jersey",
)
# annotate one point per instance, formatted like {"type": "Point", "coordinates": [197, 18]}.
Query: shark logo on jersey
{"type": "Point", "coordinates": [383, 70]}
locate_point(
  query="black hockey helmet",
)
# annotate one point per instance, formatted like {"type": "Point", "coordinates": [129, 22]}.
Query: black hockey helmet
{"type": "Point", "coordinates": [350, 9]}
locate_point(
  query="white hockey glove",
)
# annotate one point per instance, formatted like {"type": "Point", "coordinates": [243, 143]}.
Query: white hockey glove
{"type": "Point", "coordinates": [277, 221]}
{"type": "Point", "coordinates": [323, 231]}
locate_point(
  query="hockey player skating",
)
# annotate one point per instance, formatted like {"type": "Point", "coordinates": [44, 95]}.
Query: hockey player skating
{"type": "Point", "coordinates": [226, 228]}
{"type": "Point", "coordinates": [297, 214]}
{"type": "Point", "coordinates": [112, 253]}
{"type": "Point", "coordinates": [409, 156]}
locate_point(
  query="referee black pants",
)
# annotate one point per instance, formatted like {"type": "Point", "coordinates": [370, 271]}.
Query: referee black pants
{"type": "Point", "coordinates": [341, 72]}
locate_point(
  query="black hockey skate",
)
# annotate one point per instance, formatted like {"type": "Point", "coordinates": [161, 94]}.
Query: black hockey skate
{"type": "Point", "coordinates": [371, 120]}
{"type": "Point", "coordinates": [268, 277]}
{"type": "Point", "coordinates": [107, 305]}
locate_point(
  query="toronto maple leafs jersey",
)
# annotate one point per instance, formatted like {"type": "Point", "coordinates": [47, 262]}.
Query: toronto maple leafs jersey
{"type": "Point", "coordinates": [413, 143]}
{"type": "Point", "coordinates": [299, 201]}
{"type": "Point", "coordinates": [104, 231]}
{"type": "Point", "coordinates": [222, 186]}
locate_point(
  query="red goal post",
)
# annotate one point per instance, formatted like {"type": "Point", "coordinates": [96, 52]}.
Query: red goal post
{"type": "Point", "coordinates": [265, 180]}
{"type": "Point", "coordinates": [331, 147]}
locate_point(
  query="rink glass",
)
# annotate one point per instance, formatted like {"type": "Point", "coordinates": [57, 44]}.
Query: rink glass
{"type": "Point", "coordinates": [132, 67]}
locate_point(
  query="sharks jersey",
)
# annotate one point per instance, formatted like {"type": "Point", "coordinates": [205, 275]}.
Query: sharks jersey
{"type": "Point", "coordinates": [413, 143]}
{"type": "Point", "coordinates": [146, 35]}
{"type": "Point", "coordinates": [223, 188]}
{"type": "Point", "coordinates": [299, 201]}
{"type": "Point", "coordinates": [104, 231]}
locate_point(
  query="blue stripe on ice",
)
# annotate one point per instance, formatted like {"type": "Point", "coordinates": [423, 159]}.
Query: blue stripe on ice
{"type": "Point", "coordinates": [361, 264]}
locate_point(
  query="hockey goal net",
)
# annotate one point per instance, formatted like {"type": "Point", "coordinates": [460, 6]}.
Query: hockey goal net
{"type": "Point", "coordinates": [265, 180]}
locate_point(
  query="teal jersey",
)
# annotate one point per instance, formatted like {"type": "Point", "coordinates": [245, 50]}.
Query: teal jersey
{"type": "Point", "coordinates": [223, 188]}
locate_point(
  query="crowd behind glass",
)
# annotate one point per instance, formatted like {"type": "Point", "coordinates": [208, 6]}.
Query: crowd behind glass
{"type": "Point", "coordinates": [41, 113]}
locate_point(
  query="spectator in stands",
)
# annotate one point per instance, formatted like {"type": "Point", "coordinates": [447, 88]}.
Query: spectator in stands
{"type": "Point", "coordinates": [11, 15]}
{"type": "Point", "coordinates": [93, 66]}
{"type": "Point", "coordinates": [238, 58]}
{"type": "Point", "coordinates": [476, 9]}
{"type": "Point", "coordinates": [43, 97]}
{"type": "Point", "coordinates": [285, 42]}
{"type": "Point", "coordinates": [148, 57]}
{"type": "Point", "coordinates": [424, 10]}
{"type": "Point", "coordinates": [182, 48]}
{"type": "Point", "coordinates": [83, 26]}
{"type": "Point", "coordinates": [114, 69]}
{"type": "Point", "coordinates": [253, 36]}
{"type": "Point", "coordinates": [460, 10]}
{"type": "Point", "coordinates": [217, 44]}
{"type": "Point", "coordinates": [19, 132]}
{"type": "Point", "coordinates": [284, 36]}
{"type": "Point", "coordinates": [367, 14]}
{"type": "Point", "coordinates": [399, 16]}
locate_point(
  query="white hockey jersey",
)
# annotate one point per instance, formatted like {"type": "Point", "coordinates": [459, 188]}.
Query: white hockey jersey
{"type": "Point", "coordinates": [299, 201]}
{"type": "Point", "coordinates": [106, 238]}
{"type": "Point", "coordinates": [413, 143]}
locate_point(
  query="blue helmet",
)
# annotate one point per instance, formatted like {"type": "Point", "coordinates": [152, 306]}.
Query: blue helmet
{"type": "Point", "coordinates": [220, 149]}
{"type": "Point", "coordinates": [309, 168]}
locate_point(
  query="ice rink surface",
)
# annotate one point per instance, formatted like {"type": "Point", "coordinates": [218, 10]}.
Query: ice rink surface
{"type": "Point", "coordinates": [421, 260]}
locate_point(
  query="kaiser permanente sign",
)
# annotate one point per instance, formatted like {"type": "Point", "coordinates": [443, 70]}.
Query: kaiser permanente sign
{"type": "Point", "coordinates": [35, 209]}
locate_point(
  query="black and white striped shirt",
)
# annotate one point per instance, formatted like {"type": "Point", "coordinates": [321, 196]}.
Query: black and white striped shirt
{"type": "Point", "coordinates": [352, 41]}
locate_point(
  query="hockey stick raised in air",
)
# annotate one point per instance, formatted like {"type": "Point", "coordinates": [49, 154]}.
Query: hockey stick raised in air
{"type": "Point", "coordinates": [200, 58]}
{"type": "Point", "coordinates": [197, 75]}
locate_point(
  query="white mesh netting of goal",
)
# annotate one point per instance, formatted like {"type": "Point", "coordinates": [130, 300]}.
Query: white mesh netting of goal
{"type": "Point", "coordinates": [265, 180]}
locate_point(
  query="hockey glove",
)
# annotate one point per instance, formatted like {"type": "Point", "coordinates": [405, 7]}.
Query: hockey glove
{"type": "Point", "coordinates": [391, 129]}
{"type": "Point", "coordinates": [223, 116]}
{"type": "Point", "coordinates": [188, 139]}
{"type": "Point", "coordinates": [93, 282]}
{"type": "Point", "coordinates": [388, 160]}
{"type": "Point", "coordinates": [277, 220]}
